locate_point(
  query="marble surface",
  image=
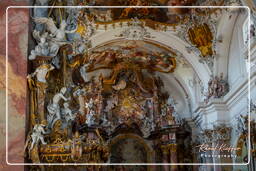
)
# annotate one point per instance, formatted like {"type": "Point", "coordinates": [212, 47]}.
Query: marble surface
{"type": "Point", "coordinates": [17, 68]}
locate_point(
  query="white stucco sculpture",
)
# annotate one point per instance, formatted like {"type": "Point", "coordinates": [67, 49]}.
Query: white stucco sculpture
{"type": "Point", "coordinates": [105, 121]}
{"type": "Point", "coordinates": [37, 135]}
{"type": "Point", "coordinates": [41, 72]}
{"type": "Point", "coordinates": [43, 49]}
{"type": "Point", "coordinates": [90, 118]}
{"type": "Point", "coordinates": [57, 34]}
{"type": "Point", "coordinates": [67, 113]}
{"type": "Point", "coordinates": [50, 41]}
{"type": "Point", "coordinates": [89, 105]}
{"type": "Point", "coordinates": [54, 108]}
{"type": "Point", "coordinates": [90, 112]}
{"type": "Point", "coordinates": [79, 94]}
{"type": "Point", "coordinates": [83, 72]}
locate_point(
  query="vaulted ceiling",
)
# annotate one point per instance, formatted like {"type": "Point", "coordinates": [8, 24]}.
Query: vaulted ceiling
{"type": "Point", "coordinates": [193, 67]}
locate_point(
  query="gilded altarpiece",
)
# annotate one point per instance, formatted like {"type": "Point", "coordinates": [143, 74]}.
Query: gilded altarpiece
{"type": "Point", "coordinates": [103, 104]}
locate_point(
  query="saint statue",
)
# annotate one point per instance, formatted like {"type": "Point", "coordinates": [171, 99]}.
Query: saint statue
{"type": "Point", "coordinates": [54, 108]}
{"type": "Point", "coordinates": [41, 72]}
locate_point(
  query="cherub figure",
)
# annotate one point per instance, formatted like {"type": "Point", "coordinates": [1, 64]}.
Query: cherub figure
{"type": "Point", "coordinates": [43, 48]}
{"type": "Point", "coordinates": [67, 113]}
{"type": "Point", "coordinates": [37, 135]}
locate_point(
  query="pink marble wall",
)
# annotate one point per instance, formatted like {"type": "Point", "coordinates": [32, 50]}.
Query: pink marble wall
{"type": "Point", "coordinates": [17, 69]}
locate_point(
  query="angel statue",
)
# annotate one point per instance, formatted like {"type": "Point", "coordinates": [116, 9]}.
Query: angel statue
{"type": "Point", "coordinates": [57, 34]}
{"type": "Point", "coordinates": [37, 135]}
{"type": "Point", "coordinates": [54, 108]}
{"type": "Point", "coordinates": [43, 48]}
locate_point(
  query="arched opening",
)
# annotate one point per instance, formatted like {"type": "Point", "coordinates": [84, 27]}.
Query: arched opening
{"type": "Point", "coordinates": [130, 148]}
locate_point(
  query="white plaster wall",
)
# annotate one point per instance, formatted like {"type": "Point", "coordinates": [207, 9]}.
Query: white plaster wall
{"type": "Point", "coordinates": [236, 64]}
{"type": "Point", "coordinates": [223, 45]}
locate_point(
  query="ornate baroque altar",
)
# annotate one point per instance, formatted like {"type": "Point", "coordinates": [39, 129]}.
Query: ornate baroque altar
{"type": "Point", "coordinates": [103, 104]}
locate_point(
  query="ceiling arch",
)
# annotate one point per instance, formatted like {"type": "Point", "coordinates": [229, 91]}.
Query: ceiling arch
{"type": "Point", "coordinates": [226, 22]}
{"type": "Point", "coordinates": [162, 38]}
{"type": "Point", "coordinates": [176, 84]}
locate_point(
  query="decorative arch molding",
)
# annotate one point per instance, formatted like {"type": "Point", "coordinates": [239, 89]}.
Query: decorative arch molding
{"type": "Point", "coordinates": [163, 38]}
{"type": "Point", "coordinates": [189, 92]}
{"type": "Point", "coordinates": [180, 82]}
